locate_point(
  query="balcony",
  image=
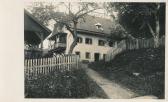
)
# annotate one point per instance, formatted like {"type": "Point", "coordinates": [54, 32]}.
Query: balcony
{"type": "Point", "coordinates": [57, 48]}
{"type": "Point", "coordinates": [58, 45]}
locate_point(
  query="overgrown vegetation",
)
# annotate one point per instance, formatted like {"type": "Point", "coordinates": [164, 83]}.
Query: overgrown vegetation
{"type": "Point", "coordinates": [141, 20]}
{"type": "Point", "coordinates": [74, 84]}
{"type": "Point", "coordinates": [148, 63]}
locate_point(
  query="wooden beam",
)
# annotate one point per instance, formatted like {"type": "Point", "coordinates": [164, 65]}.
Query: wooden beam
{"type": "Point", "coordinates": [40, 35]}
{"type": "Point", "coordinates": [42, 38]}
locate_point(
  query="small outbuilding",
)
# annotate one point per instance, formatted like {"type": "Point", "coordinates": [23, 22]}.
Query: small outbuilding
{"type": "Point", "coordinates": [34, 34]}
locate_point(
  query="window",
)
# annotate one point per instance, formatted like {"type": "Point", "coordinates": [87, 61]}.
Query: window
{"type": "Point", "coordinates": [101, 43]}
{"type": "Point", "coordinates": [77, 53]}
{"type": "Point", "coordinates": [104, 56]}
{"type": "Point", "coordinates": [88, 41]}
{"type": "Point", "coordinates": [79, 40]}
{"type": "Point", "coordinates": [99, 26]}
{"type": "Point", "coordinates": [87, 55]}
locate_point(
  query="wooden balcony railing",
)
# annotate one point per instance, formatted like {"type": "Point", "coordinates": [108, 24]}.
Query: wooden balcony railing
{"type": "Point", "coordinates": [57, 45]}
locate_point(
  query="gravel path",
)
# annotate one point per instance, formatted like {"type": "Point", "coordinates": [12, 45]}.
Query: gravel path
{"type": "Point", "coordinates": [112, 90]}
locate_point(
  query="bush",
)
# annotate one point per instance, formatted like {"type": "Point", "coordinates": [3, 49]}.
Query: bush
{"type": "Point", "coordinates": [74, 84]}
{"type": "Point", "coordinates": [150, 63]}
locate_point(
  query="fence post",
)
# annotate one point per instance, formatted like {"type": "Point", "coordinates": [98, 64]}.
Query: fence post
{"type": "Point", "coordinates": [26, 68]}
{"type": "Point", "coordinates": [34, 67]}
{"type": "Point", "coordinates": [65, 62]}
{"type": "Point", "coordinates": [50, 59]}
{"type": "Point", "coordinates": [68, 62]}
{"type": "Point", "coordinates": [45, 60]}
{"type": "Point", "coordinates": [58, 63]}
{"type": "Point", "coordinates": [35, 64]}
{"type": "Point", "coordinates": [25, 65]}
{"type": "Point", "coordinates": [137, 44]}
{"type": "Point", "coordinates": [77, 62]}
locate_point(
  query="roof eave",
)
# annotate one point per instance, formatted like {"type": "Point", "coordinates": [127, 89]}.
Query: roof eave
{"type": "Point", "coordinates": [36, 20]}
{"type": "Point", "coordinates": [93, 32]}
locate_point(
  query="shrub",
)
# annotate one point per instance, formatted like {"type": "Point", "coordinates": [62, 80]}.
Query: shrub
{"type": "Point", "coordinates": [74, 84]}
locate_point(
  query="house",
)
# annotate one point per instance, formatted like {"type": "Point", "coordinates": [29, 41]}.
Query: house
{"type": "Point", "coordinates": [34, 34]}
{"type": "Point", "coordinates": [92, 41]}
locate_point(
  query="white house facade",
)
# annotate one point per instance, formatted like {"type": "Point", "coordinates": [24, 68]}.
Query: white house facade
{"type": "Point", "coordinates": [91, 47]}
{"type": "Point", "coordinates": [92, 42]}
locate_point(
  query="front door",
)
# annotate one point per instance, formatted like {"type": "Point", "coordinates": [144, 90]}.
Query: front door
{"type": "Point", "coordinates": [96, 56]}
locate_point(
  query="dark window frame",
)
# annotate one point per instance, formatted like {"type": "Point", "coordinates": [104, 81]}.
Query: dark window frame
{"type": "Point", "coordinates": [87, 55]}
{"type": "Point", "coordinates": [88, 41]}
{"type": "Point", "coordinates": [79, 39]}
{"type": "Point", "coordinates": [78, 53]}
{"type": "Point", "coordinates": [104, 56]}
{"type": "Point", "coordinates": [101, 42]}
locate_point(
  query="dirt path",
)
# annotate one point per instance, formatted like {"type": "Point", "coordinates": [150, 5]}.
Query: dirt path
{"type": "Point", "coordinates": [112, 90]}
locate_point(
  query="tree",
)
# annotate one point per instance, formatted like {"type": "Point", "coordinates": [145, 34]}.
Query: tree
{"type": "Point", "coordinates": [118, 33]}
{"type": "Point", "coordinates": [70, 19]}
{"type": "Point", "coordinates": [141, 19]}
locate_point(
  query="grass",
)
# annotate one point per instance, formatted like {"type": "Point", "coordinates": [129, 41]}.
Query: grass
{"type": "Point", "coordinates": [74, 84]}
{"type": "Point", "coordinates": [150, 63]}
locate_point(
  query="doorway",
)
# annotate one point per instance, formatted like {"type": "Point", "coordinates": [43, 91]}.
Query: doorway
{"type": "Point", "coordinates": [96, 56]}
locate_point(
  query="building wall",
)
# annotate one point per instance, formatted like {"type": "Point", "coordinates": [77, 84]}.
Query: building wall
{"type": "Point", "coordinates": [91, 48]}
{"type": "Point", "coordinates": [83, 47]}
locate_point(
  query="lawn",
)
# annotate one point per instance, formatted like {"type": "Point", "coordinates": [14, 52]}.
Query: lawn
{"type": "Point", "coordinates": [148, 63]}
{"type": "Point", "coordinates": [67, 84]}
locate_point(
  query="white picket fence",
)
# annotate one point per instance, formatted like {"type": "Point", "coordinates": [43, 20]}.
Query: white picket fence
{"type": "Point", "coordinates": [34, 67]}
{"type": "Point", "coordinates": [143, 43]}
{"type": "Point", "coordinates": [131, 45]}
{"type": "Point", "coordinates": [113, 52]}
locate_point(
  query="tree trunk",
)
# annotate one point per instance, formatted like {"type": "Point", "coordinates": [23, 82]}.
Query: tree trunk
{"type": "Point", "coordinates": [156, 42]}
{"type": "Point", "coordinates": [157, 30]}
{"type": "Point", "coordinates": [74, 43]}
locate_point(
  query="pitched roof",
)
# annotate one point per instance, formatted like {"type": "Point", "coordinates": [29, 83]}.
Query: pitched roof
{"type": "Point", "coordinates": [27, 14]}
{"type": "Point", "coordinates": [31, 26]}
{"type": "Point", "coordinates": [88, 26]}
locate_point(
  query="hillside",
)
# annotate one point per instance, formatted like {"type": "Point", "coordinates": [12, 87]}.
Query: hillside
{"type": "Point", "coordinates": [142, 70]}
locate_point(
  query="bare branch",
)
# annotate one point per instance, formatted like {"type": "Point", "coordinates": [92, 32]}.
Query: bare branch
{"type": "Point", "coordinates": [81, 10]}
{"type": "Point", "coordinates": [69, 9]}
{"type": "Point", "coordinates": [83, 14]}
{"type": "Point", "coordinates": [158, 6]}
{"type": "Point", "coordinates": [150, 28]}
{"type": "Point", "coordinates": [67, 26]}
{"type": "Point", "coordinates": [143, 24]}
{"type": "Point", "coordinates": [136, 16]}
